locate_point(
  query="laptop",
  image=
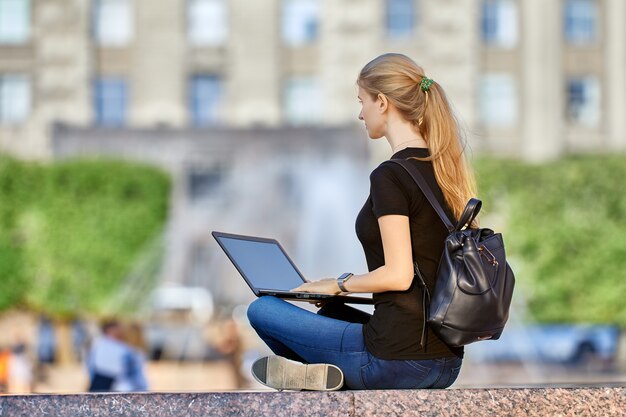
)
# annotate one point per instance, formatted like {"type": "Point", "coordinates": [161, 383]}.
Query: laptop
{"type": "Point", "coordinates": [268, 270]}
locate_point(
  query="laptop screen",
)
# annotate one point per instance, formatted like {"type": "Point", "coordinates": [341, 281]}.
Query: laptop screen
{"type": "Point", "coordinates": [263, 264]}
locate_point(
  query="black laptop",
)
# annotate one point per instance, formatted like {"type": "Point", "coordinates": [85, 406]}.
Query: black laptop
{"type": "Point", "coordinates": [268, 270]}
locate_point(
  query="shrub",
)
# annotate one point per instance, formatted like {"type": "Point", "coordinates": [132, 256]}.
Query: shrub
{"type": "Point", "coordinates": [566, 231]}
{"type": "Point", "coordinates": [74, 230]}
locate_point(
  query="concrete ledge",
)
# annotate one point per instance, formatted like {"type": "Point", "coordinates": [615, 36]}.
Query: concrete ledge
{"type": "Point", "coordinates": [451, 402]}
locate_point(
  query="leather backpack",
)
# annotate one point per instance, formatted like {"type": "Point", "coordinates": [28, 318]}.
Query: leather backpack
{"type": "Point", "coordinates": [474, 283]}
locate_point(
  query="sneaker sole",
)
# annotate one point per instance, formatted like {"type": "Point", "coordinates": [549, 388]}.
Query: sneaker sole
{"type": "Point", "coordinates": [284, 374]}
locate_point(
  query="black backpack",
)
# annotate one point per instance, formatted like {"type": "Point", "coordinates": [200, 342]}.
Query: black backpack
{"type": "Point", "coordinates": [474, 283]}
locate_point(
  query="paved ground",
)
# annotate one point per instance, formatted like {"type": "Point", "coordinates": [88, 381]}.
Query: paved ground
{"type": "Point", "coordinates": [474, 375]}
{"type": "Point", "coordinates": [162, 376]}
{"type": "Point", "coordinates": [220, 376]}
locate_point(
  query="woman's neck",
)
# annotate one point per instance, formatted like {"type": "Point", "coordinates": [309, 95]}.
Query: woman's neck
{"type": "Point", "coordinates": [402, 134]}
{"type": "Point", "coordinates": [415, 143]}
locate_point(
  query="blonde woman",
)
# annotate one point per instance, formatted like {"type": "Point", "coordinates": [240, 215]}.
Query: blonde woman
{"type": "Point", "coordinates": [397, 228]}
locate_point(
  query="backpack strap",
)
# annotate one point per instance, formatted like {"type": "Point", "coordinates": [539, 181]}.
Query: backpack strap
{"type": "Point", "coordinates": [469, 213]}
{"type": "Point", "coordinates": [421, 183]}
{"type": "Point", "coordinates": [425, 304]}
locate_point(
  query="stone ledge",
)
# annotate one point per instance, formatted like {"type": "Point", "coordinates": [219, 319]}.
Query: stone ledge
{"type": "Point", "coordinates": [452, 402]}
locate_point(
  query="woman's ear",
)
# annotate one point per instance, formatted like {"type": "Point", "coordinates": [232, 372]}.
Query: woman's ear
{"type": "Point", "coordinates": [382, 103]}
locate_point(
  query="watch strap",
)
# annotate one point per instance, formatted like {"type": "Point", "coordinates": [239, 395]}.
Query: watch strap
{"type": "Point", "coordinates": [342, 280]}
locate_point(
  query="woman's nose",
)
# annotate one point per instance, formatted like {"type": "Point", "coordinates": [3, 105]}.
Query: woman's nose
{"type": "Point", "coordinates": [361, 115]}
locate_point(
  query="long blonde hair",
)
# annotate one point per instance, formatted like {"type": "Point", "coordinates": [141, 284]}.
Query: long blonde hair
{"type": "Point", "coordinates": [398, 78]}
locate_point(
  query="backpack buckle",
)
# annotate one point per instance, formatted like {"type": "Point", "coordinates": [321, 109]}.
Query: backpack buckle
{"type": "Point", "coordinates": [487, 254]}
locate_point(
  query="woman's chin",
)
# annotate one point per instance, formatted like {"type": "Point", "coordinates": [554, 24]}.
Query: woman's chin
{"type": "Point", "coordinates": [373, 135]}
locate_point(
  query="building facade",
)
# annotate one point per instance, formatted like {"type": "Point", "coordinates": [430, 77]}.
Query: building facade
{"type": "Point", "coordinates": [528, 78]}
{"type": "Point", "coordinates": [553, 76]}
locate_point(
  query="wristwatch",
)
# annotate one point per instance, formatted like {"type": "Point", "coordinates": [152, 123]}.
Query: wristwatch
{"type": "Point", "coordinates": [341, 281]}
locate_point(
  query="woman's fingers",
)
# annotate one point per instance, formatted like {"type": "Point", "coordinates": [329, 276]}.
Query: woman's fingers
{"type": "Point", "coordinates": [308, 287]}
{"type": "Point", "coordinates": [323, 286]}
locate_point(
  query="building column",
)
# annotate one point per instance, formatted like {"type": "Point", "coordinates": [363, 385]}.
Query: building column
{"type": "Point", "coordinates": [59, 72]}
{"type": "Point", "coordinates": [157, 79]}
{"type": "Point", "coordinates": [448, 47]}
{"type": "Point", "coordinates": [253, 84]}
{"type": "Point", "coordinates": [347, 25]}
{"type": "Point", "coordinates": [615, 85]}
{"type": "Point", "coordinates": [542, 76]}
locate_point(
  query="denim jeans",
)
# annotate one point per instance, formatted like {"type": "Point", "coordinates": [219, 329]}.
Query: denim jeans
{"type": "Point", "coordinates": [335, 335]}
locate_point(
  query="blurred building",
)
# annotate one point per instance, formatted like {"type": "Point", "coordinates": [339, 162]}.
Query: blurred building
{"type": "Point", "coordinates": [251, 105]}
{"type": "Point", "coordinates": [533, 78]}
{"type": "Point", "coordinates": [301, 185]}
{"type": "Point", "coordinates": [553, 76]}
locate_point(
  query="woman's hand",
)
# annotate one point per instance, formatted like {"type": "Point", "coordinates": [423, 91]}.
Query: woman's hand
{"type": "Point", "coordinates": [323, 286]}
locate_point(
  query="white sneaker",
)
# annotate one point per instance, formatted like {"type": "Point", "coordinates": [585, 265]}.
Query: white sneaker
{"type": "Point", "coordinates": [282, 373]}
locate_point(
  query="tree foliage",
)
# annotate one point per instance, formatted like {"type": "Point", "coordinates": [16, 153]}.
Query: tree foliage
{"type": "Point", "coordinates": [566, 231]}
{"type": "Point", "coordinates": [71, 232]}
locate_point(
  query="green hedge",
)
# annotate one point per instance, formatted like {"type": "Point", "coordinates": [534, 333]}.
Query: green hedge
{"type": "Point", "coordinates": [565, 231]}
{"type": "Point", "coordinates": [70, 233]}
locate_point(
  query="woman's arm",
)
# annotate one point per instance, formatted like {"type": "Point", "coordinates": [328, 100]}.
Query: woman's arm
{"type": "Point", "coordinates": [395, 275]}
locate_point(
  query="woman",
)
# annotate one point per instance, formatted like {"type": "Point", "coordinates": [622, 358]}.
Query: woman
{"type": "Point", "coordinates": [399, 231]}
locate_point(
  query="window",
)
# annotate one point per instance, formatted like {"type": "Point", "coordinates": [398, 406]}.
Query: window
{"type": "Point", "coordinates": [15, 98]}
{"type": "Point", "coordinates": [499, 23]}
{"type": "Point", "coordinates": [207, 22]}
{"type": "Point", "coordinates": [400, 18]}
{"type": "Point", "coordinates": [302, 100]}
{"type": "Point", "coordinates": [199, 267]}
{"type": "Point", "coordinates": [205, 93]}
{"type": "Point", "coordinates": [583, 101]}
{"type": "Point", "coordinates": [581, 18]}
{"type": "Point", "coordinates": [113, 22]}
{"type": "Point", "coordinates": [14, 21]}
{"type": "Point", "coordinates": [110, 101]}
{"type": "Point", "coordinates": [203, 181]}
{"type": "Point", "coordinates": [498, 100]}
{"type": "Point", "coordinates": [300, 21]}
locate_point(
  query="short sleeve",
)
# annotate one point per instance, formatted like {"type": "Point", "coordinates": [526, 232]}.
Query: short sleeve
{"type": "Point", "coordinates": [387, 194]}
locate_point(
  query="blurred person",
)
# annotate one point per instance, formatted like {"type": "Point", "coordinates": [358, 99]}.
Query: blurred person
{"type": "Point", "coordinates": [226, 345]}
{"type": "Point", "coordinates": [46, 348]}
{"type": "Point", "coordinates": [80, 339]}
{"type": "Point", "coordinates": [133, 378]}
{"type": "Point", "coordinates": [20, 370]}
{"type": "Point", "coordinates": [5, 357]}
{"type": "Point", "coordinates": [46, 341]}
{"type": "Point", "coordinates": [225, 340]}
{"type": "Point", "coordinates": [398, 229]}
{"type": "Point", "coordinates": [107, 360]}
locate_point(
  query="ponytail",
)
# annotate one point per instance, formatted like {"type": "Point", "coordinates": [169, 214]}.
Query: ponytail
{"type": "Point", "coordinates": [441, 131]}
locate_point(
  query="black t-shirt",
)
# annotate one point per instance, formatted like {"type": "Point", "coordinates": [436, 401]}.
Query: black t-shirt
{"type": "Point", "coordinates": [395, 328]}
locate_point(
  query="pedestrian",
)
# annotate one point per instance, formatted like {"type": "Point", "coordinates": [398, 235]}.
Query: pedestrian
{"type": "Point", "coordinates": [20, 370]}
{"type": "Point", "coordinates": [400, 233]}
{"type": "Point", "coordinates": [107, 361]}
{"type": "Point", "coordinates": [46, 342]}
{"type": "Point", "coordinates": [5, 358]}
{"type": "Point", "coordinates": [134, 377]}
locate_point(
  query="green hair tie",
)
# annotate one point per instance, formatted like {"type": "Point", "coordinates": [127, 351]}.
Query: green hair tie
{"type": "Point", "coordinates": [426, 83]}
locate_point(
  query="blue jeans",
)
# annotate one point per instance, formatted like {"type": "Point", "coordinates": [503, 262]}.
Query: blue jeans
{"type": "Point", "coordinates": [301, 335]}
